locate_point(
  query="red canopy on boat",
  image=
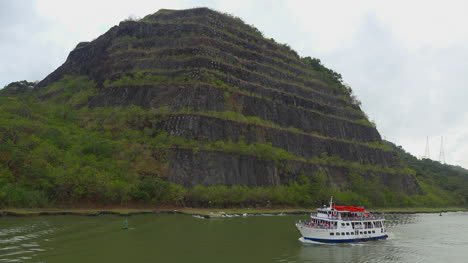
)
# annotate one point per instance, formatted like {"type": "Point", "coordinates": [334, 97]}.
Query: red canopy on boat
{"type": "Point", "coordinates": [349, 208]}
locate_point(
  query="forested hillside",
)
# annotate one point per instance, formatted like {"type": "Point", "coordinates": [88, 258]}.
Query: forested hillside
{"type": "Point", "coordinates": [197, 108]}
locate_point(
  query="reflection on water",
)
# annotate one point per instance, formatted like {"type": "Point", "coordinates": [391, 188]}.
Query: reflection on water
{"type": "Point", "coordinates": [178, 238]}
{"type": "Point", "coordinates": [19, 241]}
{"type": "Point", "coordinates": [392, 220]}
{"type": "Point", "coordinates": [358, 252]}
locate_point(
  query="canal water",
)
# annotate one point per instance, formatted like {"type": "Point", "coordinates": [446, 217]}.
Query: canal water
{"type": "Point", "coordinates": [179, 238]}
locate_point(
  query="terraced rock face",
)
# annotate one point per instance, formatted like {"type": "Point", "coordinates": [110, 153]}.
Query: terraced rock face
{"type": "Point", "coordinates": [211, 78]}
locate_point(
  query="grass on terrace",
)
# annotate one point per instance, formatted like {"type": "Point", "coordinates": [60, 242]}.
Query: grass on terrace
{"type": "Point", "coordinates": [332, 78]}
{"type": "Point", "coordinates": [221, 79]}
{"type": "Point", "coordinates": [272, 71]}
{"type": "Point", "coordinates": [141, 79]}
{"type": "Point", "coordinates": [286, 79]}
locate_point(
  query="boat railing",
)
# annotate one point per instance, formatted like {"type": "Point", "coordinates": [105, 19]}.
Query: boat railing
{"type": "Point", "coordinates": [352, 218]}
{"type": "Point", "coordinates": [313, 225]}
{"type": "Point", "coordinates": [361, 218]}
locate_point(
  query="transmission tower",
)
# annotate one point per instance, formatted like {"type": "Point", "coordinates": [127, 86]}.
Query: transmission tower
{"type": "Point", "coordinates": [442, 154]}
{"type": "Point", "coordinates": [426, 153]}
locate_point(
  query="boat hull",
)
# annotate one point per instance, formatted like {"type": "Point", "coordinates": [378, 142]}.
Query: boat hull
{"type": "Point", "coordinates": [342, 234]}
{"type": "Point", "coordinates": [345, 240]}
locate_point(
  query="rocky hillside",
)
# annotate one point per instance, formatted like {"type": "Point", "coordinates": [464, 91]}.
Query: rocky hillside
{"type": "Point", "coordinates": [211, 101]}
{"type": "Point", "coordinates": [197, 65]}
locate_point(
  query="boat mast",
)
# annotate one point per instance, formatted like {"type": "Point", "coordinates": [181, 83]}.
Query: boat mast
{"type": "Point", "coordinates": [331, 202]}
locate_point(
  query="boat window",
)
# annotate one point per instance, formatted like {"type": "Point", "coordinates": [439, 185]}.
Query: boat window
{"type": "Point", "coordinates": [342, 233]}
{"type": "Point", "coordinates": [373, 231]}
{"type": "Point", "coordinates": [337, 233]}
{"type": "Point", "coordinates": [361, 232]}
{"type": "Point", "coordinates": [347, 224]}
{"type": "Point", "coordinates": [365, 232]}
{"type": "Point", "coordinates": [347, 233]}
{"type": "Point", "coordinates": [332, 234]}
{"type": "Point", "coordinates": [342, 224]}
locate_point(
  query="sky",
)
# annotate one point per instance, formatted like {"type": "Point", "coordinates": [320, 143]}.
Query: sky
{"type": "Point", "coordinates": [405, 60]}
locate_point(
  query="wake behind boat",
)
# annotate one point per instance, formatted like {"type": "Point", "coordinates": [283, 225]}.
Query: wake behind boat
{"type": "Point", "coordinates": [339, 224]}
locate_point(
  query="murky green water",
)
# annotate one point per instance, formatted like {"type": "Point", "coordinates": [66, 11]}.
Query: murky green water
{"type": "Point", "coordinates": [179, 238]}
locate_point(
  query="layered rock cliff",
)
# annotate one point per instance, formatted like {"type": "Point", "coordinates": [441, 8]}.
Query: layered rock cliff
{"type": "Point", "coordinates": [208, 77]}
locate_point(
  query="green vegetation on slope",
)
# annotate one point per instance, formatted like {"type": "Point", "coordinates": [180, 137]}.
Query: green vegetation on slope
{"type": "Point", "coordinates": [55, 152]}
{"type": "Point", "coordinates": [232, 27]}
{"type": "Point", "coordinates": [442, 181]}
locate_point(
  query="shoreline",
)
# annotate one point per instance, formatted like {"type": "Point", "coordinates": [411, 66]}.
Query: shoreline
{"type": "Point", "coordinates": [204, 212]}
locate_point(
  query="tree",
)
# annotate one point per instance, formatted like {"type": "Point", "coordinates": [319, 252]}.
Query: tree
{"type": "Point", "coordinates": [18, 88]}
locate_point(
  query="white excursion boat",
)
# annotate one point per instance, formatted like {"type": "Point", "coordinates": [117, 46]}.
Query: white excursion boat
{"type": "Point", "coordinates": [338, 224]}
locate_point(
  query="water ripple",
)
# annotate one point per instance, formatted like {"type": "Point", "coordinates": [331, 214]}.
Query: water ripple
{"type": "Point", "coordinates": [20, 243]}
{"type": "Point", "coordinates": [412, 238]}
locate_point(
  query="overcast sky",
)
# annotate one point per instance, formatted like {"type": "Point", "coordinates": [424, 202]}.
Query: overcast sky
{"type": "Point", "coordinates": [406, 61]}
